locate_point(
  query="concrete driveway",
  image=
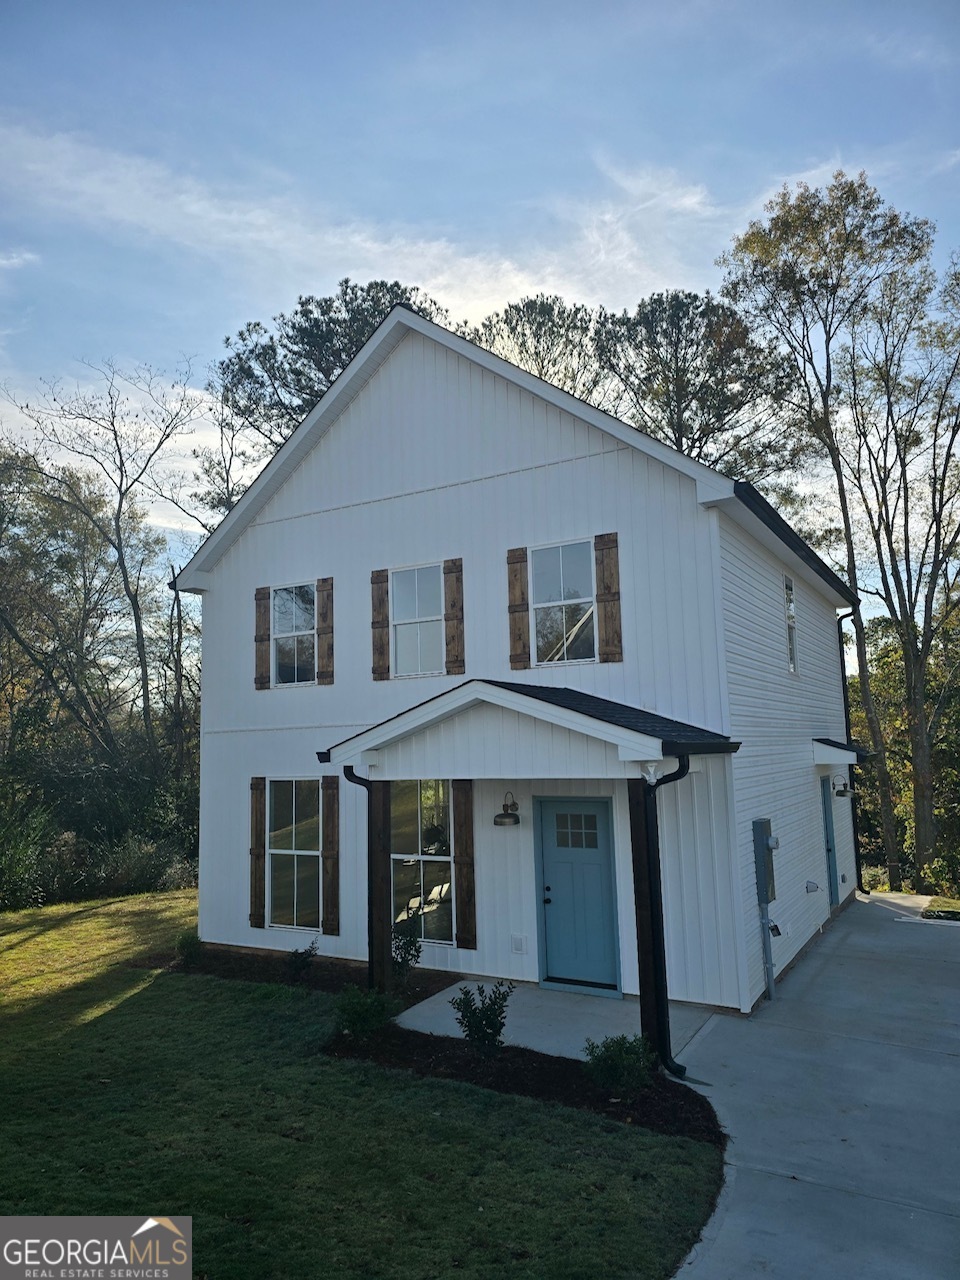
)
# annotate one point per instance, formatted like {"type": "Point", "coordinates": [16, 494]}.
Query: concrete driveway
{"type": "Point", "coordinates": [841, 1099]}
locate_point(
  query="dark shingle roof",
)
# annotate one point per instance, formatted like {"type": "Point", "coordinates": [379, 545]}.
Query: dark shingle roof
{"type": "Point", "coordinates": [676, 737]}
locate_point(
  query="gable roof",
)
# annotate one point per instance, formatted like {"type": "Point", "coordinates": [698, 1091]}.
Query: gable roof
{"type": "Point", "coordinates": [637, 734]}
{"type": "Point", "coordinates": [713, 489]}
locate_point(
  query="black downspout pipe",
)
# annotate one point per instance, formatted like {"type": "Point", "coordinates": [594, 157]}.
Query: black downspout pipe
{"type": "Point", "coordinates": [656, 914]}
{"type": "Point", "coordinates": [844, 617]}
{"type": "Point", "coordinates": [352, 776]}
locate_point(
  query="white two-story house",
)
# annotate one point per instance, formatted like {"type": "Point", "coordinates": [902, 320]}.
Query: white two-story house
{"type": "Point", "coordinates": [483, 660]}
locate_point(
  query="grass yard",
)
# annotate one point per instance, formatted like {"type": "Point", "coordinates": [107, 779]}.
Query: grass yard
{"type": "Point", "coordinates": [130, 1090]}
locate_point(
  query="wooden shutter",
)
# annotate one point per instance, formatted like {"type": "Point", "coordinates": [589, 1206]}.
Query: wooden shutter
{"type": "Point", "coordinates": [607, 555]}
{"type": "Point", "coordinates": [324, 631]}
{"type": "Point", "coordinates": [519, 608]}
{"type": "Point", "coordinates": [380, 593]}
{"type": "Point", "coordinates": [261, 638]}
{"type": "Point", "coordinates": [464, 879]}
{"type": "Point", "coordinates": [258, 836]}
{"type": "Point", "coordinates": [453, 616]}
{"type": "Point", "coordinates": [330, 853]}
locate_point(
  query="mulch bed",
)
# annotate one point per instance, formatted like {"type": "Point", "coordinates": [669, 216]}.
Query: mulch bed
{"type": "Point", "coordinates": [666, 1106]}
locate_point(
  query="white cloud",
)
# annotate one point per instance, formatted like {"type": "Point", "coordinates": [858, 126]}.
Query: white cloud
{"type": "Point", "coordinates": [14, 258]}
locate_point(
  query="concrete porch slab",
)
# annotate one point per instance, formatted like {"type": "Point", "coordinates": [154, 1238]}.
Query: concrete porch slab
{"type": "Point", "coordinates": [556, 1022]}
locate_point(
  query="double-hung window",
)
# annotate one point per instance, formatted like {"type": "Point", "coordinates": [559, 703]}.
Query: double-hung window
{"type": "Point", "coordinates": [293, 848]}
{"type": "Point", "coordinates": [564, 603]}
{"type": "Point", "coordinates": [790, 610]}
{"type": "Point", "coordinates": [422, 858]}
{"type": "Point", "coordinates": [416, 602]}
{"type": "Point", "coordinates": [294, 634]}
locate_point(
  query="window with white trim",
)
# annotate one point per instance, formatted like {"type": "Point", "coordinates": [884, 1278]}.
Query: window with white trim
{"type": "Point", "coordinates": [564, 603]}
{"type": "Point", "coordinates": [416, 607]}
{"type": "Point", "coordinates": [294, 634]}
{"type": "Point", "coordinates": [421, 857]}
{"type": "Point", "coordinates": [293, 850]}
{"type": "Point", "coordinates": [790, 612]}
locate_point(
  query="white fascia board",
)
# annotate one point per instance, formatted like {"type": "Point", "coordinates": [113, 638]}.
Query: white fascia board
{"type": "Point", "coordinates": [823, 754]}
{"type": "Point", "coordinates": [474, 692]}
{"type": "Point", "coordinates": [734, 509]}
{"type": "Point", "coordinates": [196, 584]}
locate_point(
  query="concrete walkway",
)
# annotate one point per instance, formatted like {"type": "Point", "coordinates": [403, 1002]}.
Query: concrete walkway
{"type": "Point", "coordinates": [841, 1101]}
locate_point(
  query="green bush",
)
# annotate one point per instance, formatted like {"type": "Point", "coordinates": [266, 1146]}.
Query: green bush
{"type": "Point", "coordinates": [33, 861]}
{"type": "Point", "coordinates": [297, 962]}
{"type": "Point", "coordinates": [943, 874]}
{"type": "Point", "coordinates": [876, 879]}
{"type": "Point", "coordinates": [362, 1013]}
{"type": "Point", "coordinates": [482, 1016]}
{"type": "Point", "coordinates": [189, 949]}
{"type": "Point", "coordinates": [621, 1064]}
{"type": "Point", "coordinates": [406, 947]}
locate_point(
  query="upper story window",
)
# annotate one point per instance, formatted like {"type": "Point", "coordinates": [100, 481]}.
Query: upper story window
{"type": "Point", "coordinates": [294, 634]}
{"type": "Point", "coordinates": [416, 605]}
{"type": "Point", "coordinates": [790, 610]}
{"type": "Point", "coordinates": [564, 602]}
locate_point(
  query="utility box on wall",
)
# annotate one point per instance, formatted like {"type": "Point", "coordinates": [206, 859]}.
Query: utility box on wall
{"type": "Point", "coordinates": [764, 843]}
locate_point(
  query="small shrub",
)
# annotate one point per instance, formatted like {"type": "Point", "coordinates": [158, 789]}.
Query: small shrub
{"type": "Point", "coordinates": [189, 949]}
{"type": "Point", "coordinates": [406, 947]}
{"type": "Point", "coordinates": [876, 879]}
{"type": "Point", "coordinates": [943, 874]}
{"type": "Point", "coordinates": [297, 962]}
{"type": "Point", "coordinates": [482, 1016]}
{"type": "Point", "coordinates": [362, 1013]}
{"type": "Point", "coordinates": [621, 1064]}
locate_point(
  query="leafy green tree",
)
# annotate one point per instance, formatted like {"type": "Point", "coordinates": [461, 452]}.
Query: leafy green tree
{"type": "Point", "coordinates": [551, 339]}
{"type": "Point", "coordinates": [688, 370]}
{"type": "Point", "coordinates": [813, 276]}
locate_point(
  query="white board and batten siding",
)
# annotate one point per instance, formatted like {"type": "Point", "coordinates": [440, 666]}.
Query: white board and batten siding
{"type": "Point", "coordinates": [777, 714]}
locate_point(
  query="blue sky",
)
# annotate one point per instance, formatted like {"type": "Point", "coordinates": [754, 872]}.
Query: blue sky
{"type": "Point", "coordinates": [170, 171]}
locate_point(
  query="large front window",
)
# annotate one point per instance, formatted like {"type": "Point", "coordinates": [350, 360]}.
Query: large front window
{"type": "Point", "coordinates": [422, 863]}
{"type": "Point", "coordinates": [294, 635]}
{"type": "Point", "coordinates": [563, 603]}
{"type": "Point", "coordinates": [416, 597]}
{"type": "Point", "coordinates": [293, 844]}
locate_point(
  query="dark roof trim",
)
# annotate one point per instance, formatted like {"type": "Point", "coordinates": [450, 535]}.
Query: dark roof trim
{"type": "Point", "coordinates": [676, 738]}
{"type": "Point", "coordinates": [854, 747]}
{"type": "Point", "coordinates": [757, 505]}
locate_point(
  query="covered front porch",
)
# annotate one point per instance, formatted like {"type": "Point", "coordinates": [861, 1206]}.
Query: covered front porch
{"type": "Point", "coordinates": [557, 1022]}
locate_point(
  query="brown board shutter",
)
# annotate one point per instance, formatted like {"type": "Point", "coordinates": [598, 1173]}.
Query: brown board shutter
{"type": "Point", "coordinates": [464, 879]}
{"type": "Point", "coordinates": [258, 834]}
{"type": "Point", "coordinates": [324, 631]}
{"type": "Point", "coordinates": [453, 616]}
{"type": "Point", "coordinates": [380, 596]}
{"type": "Point", "coordinates": [261, 638]}
{"type": "Point", "coordinates": [607, 556]}
{"type": "Point", "coordinates": [330, 853]}
{"type": "Point", "coordinates": [519, 608]}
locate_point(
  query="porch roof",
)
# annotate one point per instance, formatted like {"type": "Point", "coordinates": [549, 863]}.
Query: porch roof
{"type": "Point", "coordinates": [830, 751]}
{"type": "Point", "coordinates": [637, 736]}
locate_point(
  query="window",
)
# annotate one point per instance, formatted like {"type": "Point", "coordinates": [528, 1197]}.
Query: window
{"type": "Point", "coordinates": [790, 609]}
{"type": "Point", "coordinates": [563, 603]}
{"type": "Point", "coordinates": [294, 635]}
{"type": "Point", "coordinates": [293, 847]}
{"type": "Point", "coordinates": [421, 858]}
{"type": "Point", "coordinates": [416, 599]}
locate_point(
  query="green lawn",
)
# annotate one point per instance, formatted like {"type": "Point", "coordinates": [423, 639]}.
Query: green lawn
{"type": "Point", "coordinates": [128, 1090]}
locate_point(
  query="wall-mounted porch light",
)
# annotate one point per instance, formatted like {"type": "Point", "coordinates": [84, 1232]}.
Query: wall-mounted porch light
{"type": "Point", "coordinates": [841, 786]}
{"type": "Point", "coordinates": [508, 817]}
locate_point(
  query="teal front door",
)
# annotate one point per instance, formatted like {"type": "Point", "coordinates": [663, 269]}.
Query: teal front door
{"type": "Point", "coordinates": [578, 913]}
{"type": "Point", "coordinates": [830, 840]}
